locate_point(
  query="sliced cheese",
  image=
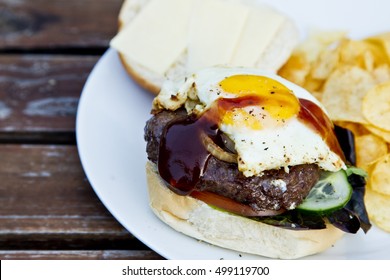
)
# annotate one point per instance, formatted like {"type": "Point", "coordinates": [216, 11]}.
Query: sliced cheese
{"type": "Point", "coordinates": [130, 9]}
{"type": "Point", "coordinates": [158, 34]}
{"type": "Point", "coordinates": [259, 31]}
{"type": "Point", "coordinates": [215, 29]}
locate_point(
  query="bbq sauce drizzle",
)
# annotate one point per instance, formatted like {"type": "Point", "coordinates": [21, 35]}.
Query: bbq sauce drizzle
{"type": "Point", "coordinates": [183, 157]}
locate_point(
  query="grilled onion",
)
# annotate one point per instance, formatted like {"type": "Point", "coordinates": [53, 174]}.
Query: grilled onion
{"type": "Point", "coordinates": [217, 151]}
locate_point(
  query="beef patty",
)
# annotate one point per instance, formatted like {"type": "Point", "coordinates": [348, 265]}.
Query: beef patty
{"type": "Point", "coordinates": [275, 190]}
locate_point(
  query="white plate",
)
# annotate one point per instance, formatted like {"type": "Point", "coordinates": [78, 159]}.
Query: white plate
{"type": "Point", "coordinates": [110, 121]}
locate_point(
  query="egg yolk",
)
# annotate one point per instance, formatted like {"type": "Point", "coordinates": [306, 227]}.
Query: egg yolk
{"type": "Point", "coordinates": [272, 99]}
{"type": "Point", "coordinates": [240, 116]}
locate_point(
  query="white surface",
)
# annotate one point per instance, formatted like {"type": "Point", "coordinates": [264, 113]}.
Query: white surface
{"type": "Point", "coordinates": [112, 113]}
{"type": "Point", "coordinates": [358, 17]}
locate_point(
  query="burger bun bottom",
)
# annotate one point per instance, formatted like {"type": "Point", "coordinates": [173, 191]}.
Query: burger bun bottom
{"type": "Point", "coordinates": [200, 221]}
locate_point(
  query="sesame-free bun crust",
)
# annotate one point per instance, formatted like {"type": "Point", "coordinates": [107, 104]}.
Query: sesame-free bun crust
{"type": "Point", "coordinates": [200, 221]}
{"type": "Point", "coordinates": [135, 71]}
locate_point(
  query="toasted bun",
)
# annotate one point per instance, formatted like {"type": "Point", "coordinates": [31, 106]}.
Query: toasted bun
{"type": "Point", "coordinates": [272, 58]}
{"type": "Point", "coordinates": [198, 220]}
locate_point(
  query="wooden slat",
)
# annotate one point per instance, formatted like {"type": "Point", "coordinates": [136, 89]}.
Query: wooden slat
{"type": "Point", "coordinates": [46, 202]}
{"type": "Point", "coordinates": [80, 255]}
{"type": "Point", "coordinates": [40, 93]}
{"type": "Point", "coordinates": [26, 24]}
{"type": "Point", "coordinates": [48, 210]}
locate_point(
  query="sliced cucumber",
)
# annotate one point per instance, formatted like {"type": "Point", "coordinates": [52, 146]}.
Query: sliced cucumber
{"type": "Point", "coordinates": [332, 192]}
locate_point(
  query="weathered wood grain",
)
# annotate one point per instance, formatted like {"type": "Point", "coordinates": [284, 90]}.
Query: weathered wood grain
{"type": "Point", "coordinates": [48, 209]}
{"type": "Point", "coordinates": [80, 255]}
{"type": "Point", "coordinates": [46, 202]}
{"type": "Point", "coordinates": [40, 93]}
{"type": "Point", "coordinates": [28, 24]}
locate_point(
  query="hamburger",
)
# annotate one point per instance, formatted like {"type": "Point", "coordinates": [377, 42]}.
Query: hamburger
{"type": "Point", "coordinates": [246, 160]}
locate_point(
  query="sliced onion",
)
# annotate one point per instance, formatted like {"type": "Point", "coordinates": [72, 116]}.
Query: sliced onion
{"type": "Point", "coordinates": [217, 151]}
{"type": "Point", "coordinates": [229, 143]}
{"type": "Point", "coordinates": [232, 206]}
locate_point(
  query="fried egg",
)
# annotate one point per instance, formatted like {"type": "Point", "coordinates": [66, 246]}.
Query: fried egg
{"type": "Point", "coordinates": [261, 113]}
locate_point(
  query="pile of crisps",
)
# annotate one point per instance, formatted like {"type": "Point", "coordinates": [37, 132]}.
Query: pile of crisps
{"type": "Point", "coordinates": [352, 80]}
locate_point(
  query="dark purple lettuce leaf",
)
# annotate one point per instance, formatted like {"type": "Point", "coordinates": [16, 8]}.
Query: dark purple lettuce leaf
{"type": "Point", "coordinates": [356, 204]}
{"type": "Point", "coordinates": [295, 220]}
{"type": "Point", "coordinates": [345, 220]}
{"type": "Point", "coordinates": [347, 143]}
{"type": "Point", "coordinates": [354, 215]}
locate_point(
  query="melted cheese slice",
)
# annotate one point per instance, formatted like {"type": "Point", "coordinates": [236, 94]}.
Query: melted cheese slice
{"type": "Point", "coordinates": [260, 28]}
{"type": "Point", "coordinates": [158, 34]}
{"type": "Point", "coordinates": [214, 33]}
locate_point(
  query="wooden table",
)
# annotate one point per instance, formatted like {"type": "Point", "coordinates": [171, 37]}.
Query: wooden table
{"type": "Point", "coordinates": [48, 209]}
